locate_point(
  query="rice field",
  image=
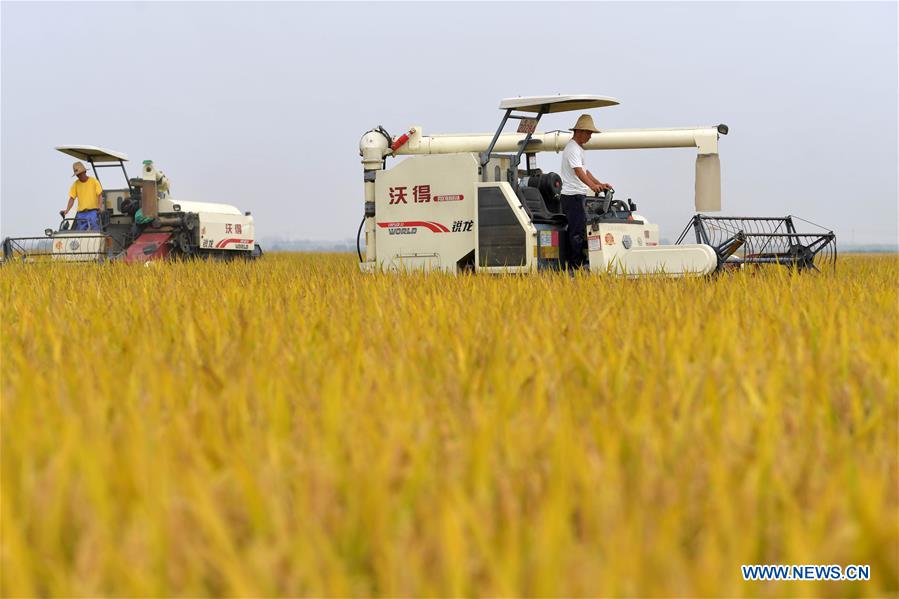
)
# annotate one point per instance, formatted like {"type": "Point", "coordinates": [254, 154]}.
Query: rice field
{"type": "Point", "coordinates": [292, 427]}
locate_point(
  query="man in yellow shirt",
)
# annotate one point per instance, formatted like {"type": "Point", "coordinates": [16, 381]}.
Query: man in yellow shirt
{"type": "Point", "coordinates": [90, 200]}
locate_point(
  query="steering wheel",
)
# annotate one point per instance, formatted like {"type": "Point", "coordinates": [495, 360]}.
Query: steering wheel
{"type": "Point", "coordinates": [609, 204]}
{"type": "Point", "coordinates": [618, 206]}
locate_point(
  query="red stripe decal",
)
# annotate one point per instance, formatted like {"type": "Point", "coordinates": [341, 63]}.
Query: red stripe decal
{"type": "Point", "coordinates": [435, 227]}
{"type": "Point", "coordinates": [225, 242]}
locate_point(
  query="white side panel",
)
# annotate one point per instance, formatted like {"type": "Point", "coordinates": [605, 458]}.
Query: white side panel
{"type": "Point", "coordinates": [424, 212]}
{"type": "Point", "coordinates": [671, 260]}
{"type": "Point", "coordinates": [226, 231]}
{"type": "Point", "coordinates": [631, 249]}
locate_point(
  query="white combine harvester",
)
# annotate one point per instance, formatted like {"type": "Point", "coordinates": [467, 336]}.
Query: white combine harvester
{"type": "Point", "coordinates": [166, 227]}
{"type": "Point", "coordinates": [462, 202]}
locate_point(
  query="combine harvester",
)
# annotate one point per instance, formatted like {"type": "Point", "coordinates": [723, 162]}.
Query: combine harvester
{"type": "Point", "coordinates": [465, 202]}
{"type": "Point", "coordinates": [164, 228]}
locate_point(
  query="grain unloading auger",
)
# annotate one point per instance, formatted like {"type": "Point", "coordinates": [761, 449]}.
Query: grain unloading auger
{"type": "Point", "coordinates": [461, 202]}
{"type": "Point", "coordinates": [140, 223]}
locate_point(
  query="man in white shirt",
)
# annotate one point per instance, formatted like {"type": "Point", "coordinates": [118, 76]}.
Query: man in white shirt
{"type": "Point", "coordinates": [577, 183]}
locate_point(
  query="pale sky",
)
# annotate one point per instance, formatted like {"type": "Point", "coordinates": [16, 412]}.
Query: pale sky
{"type": "Point", "coordinates": [262, 105]}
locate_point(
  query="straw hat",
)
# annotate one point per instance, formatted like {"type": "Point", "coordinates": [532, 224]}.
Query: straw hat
{"type": "Point", "coordinates": [585, 123]}
{"type": "Point", "coordinates": [78, 168]}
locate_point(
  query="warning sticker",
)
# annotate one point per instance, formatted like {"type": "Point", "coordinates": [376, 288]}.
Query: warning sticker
{"type": "Point", "coordinates": [594, 243]}
{"type": "Point", "coordinates": [527, 125]}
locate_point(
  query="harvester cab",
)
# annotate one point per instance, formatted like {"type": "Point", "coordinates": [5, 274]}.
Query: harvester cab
{"type": "Point", "coordinates": [469, 202]}
{"type": "Point", "coordinates": [140, 222]}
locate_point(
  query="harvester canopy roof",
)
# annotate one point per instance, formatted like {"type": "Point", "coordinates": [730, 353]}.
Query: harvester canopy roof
{"type": "Point", "coordinates": [556, 103]}
{"type": "Point", "coordinates": [93, 153]}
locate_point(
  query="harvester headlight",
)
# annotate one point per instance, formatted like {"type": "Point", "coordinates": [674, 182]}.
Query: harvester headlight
{"type": "Point", "coordinates": [48, 232]}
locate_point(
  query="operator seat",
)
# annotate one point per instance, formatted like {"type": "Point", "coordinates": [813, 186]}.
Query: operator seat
{"type": "Point", "coordinates": [536, 207]}
{"type": "Point", "coordinates": [550, 186]}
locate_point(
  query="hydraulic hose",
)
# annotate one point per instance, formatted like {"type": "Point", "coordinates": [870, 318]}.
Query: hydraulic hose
{"type": "Point", "coordinates": [358, 235]}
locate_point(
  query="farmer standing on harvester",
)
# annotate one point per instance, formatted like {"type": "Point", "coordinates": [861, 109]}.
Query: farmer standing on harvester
{"type": "Point", "coordinates": [577, 182]}
{"type": "Point", "coordinates": [90, 200]}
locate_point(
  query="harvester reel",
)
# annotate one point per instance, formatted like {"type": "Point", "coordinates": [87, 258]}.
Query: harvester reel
{"type": "Point", "coordinates": [740, 241]}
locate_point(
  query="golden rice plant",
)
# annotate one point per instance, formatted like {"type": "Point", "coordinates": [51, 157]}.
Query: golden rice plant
{"type": "Point", "coordinates": [292, 427]}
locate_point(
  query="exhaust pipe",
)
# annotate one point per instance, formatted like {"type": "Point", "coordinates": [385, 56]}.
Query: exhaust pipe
{"type": "Point", "coordinates": [149, 203]}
